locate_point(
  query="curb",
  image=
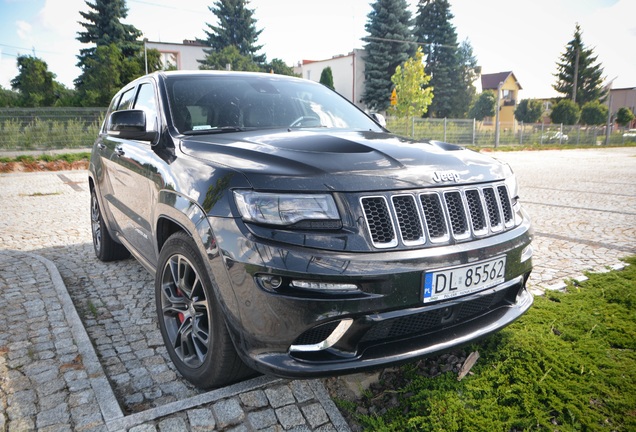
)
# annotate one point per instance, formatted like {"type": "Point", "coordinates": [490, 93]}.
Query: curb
{"type": "Point", "coordinates": [110, 410]}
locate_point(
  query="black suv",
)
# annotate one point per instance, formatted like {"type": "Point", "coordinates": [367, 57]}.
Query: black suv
{"type": "Point", "coordinates": [291, 234]}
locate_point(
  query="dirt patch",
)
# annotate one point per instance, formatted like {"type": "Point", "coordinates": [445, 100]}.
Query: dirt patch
{"type": "Point", "coordinates": [35, 166]}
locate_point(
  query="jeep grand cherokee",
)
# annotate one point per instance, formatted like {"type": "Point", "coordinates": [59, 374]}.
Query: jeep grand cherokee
{"type": "Point", "coordinates": [291, 234]}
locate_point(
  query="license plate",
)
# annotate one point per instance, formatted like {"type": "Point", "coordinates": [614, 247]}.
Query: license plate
{"type": "Point", "coordinates": [457, 281]}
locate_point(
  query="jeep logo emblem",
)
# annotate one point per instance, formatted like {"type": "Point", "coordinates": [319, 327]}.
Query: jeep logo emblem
{"type": "Point", "coordinates": [446, 176]}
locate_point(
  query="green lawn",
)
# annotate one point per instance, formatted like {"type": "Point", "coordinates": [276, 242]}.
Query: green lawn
{"type": "Point", "coordinates": [569, 364]}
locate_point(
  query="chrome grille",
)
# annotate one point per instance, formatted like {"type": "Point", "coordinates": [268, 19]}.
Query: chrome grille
{"type": "Point", "coordinates": [435, 216]}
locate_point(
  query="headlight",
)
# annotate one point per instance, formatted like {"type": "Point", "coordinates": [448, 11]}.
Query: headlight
{"type": "Point", "coordinates": [513, 190]}
{"type": "Point", "coordinates": [511, 184]}
{"type": "Point", "coordinates": [316, 210]}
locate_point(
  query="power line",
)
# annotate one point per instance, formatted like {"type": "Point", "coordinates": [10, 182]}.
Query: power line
{"type": "Point", "coordinates": [32, 49]}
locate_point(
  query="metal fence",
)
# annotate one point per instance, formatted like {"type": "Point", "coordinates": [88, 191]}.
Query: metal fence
{"type": "Point", "coordinates": [477, 133]}
{"type": "Point", "coordinates": [49, 128]}
{"type": "Point", "coordinates": [73, 128]}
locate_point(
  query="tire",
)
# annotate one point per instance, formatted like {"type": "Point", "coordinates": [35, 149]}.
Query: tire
{"type": "Point", "coordinates": [106, 249]}
{"type": "Point", "coordinates": [190, 319]}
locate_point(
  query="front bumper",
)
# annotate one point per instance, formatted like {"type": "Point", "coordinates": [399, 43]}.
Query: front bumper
{"type": "Point", "coordinates": [308, 333]}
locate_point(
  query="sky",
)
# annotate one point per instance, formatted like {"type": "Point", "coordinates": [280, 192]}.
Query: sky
{"type": "Point", "coordinates": [526, 37]}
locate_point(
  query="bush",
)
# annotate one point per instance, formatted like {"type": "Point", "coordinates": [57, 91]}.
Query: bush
{"type": "Point", "coordinates": [593, 113]}
{"type": "Point", "coordinates": [566, 112]}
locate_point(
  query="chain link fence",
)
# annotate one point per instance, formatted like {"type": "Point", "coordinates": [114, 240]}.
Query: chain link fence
{"type": "Point", "coordinates": [49, 128]}
{"type": "Point", "coordinates": [482, 134]}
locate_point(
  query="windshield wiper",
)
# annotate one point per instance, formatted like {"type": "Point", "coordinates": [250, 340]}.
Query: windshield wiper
{"type": "Point", "coordinates": [216, 130]}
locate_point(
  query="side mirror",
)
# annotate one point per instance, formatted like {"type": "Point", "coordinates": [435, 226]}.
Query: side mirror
{"type": "Point", "coordinates": [379, 119]}
{"type": "Point", "coordinates": [130, 124]}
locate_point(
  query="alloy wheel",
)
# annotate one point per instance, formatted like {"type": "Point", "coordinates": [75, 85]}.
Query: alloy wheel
{"type": "Point", "coordinates": [185, 311]}
{"type": "Point", "coordinates": [96, 220]}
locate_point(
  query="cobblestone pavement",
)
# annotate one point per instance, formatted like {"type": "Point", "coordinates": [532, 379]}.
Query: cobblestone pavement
{"type": "Point", "coordinates": [583, 208]}
{"type": "Point", "coordinates": [79, 344]}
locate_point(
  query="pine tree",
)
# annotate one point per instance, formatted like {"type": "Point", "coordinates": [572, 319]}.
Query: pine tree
{"type": "Point", "coordinates": [589, 78]}
{"type": "Point", "coordinates": [389, 45]}
{"type": "Point", "coordinates": [433, 28]}
{"type": "Point", "coordinates": [468, 73]}
{"type": "Point", "coordinates": [104, 29]}
{"type": "Point", "coordinates": [236, 27]}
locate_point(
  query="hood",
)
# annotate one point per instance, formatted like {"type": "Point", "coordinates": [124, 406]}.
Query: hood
{"type": "Point", "coordinates": [317, 160]}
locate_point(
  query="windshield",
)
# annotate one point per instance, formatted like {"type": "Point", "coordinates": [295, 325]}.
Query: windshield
{"type": "Point", "coordinates": [226, 103]}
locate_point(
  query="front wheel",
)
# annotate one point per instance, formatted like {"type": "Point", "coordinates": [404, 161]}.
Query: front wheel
{"type": "Point", "coordinates": [190, 319]}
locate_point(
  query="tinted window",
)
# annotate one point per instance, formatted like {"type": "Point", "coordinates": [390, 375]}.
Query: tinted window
{"type": "Point", "coordinates": [201, 104]}
{"type": "Point", "coordinates": [126, 100]}
{"type": "Point", "coordinates": [146, 101]}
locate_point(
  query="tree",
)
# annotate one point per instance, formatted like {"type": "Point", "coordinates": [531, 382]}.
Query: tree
{"type": "Point", "coordinates": [579, 65]}
{"type": "Point", "coordinates": [484, 106]}
{"type": "Point", "coordinates": [34, 83]}
{"type": "Point", "coordinates": [8, 98]}
{"type": "Point", "coordinates": [236, 27]}
{"type": "Point", "coordinates": [326, 77]}
{"type": "Point", "coordinates": [389, 44]}
{"type": "Point", "coordinates": [566, 112]}
{"type": "Point", "coordinates": [469, 71]}
{"type": "Point", "coordinates": [624, 116]}
{"type": "Point", "coordinates": [111, 41]}
{"type": "Point", "coordinates": [593, 113]}
{"type": "Point", "coordinates": [413, 94]}
{"type": "Point", "coordinates": [102, 76]}
{"type": "Point", "coordinates": [229, 56]}
{"type": "Point", "coordinates": [529, 111]}
{"type": "Point", "coordinates": [104, 27]}
{"type": "Point", "coordinates": [433, 28]}
{"type": "Point", "coordinates": [279, 67]}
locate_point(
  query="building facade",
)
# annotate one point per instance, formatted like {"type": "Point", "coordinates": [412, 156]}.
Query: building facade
{"type": "Point", "coordinates": [179, 56]}
{"type": "Point", "coordinates": [508, 87]}
{"type": "Point", "coordinates": [347, 70]}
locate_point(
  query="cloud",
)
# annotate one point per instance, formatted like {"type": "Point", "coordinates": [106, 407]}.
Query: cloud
{"type": "Point", "coordinates": [59, 20]}
{"type": "Point", "coordinates": [24, 30]}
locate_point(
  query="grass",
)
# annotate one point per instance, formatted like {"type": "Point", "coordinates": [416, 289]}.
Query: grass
{"type": "Point", "coordinates": [66, 157]}
{"type": "Point", "coordinates": [569, 364]}
{"type": "Point", "coordinates": [535, 147]}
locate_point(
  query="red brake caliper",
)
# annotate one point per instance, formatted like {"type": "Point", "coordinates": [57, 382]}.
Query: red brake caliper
{"type": "Point", "coordinates": [181, 316]}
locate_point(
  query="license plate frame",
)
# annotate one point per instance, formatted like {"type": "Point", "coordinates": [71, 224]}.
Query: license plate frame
{"type": "Point", "coordinates": [452, 282]}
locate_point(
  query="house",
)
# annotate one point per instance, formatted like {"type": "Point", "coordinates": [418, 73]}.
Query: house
{"type": "Point", "coordinates": [507, 83]}
{"type": "Point", "coordinates": [622, 97]}
{"type": "Point", "coordinates": [180, 56]}
{"type": "Point", "coordinates": [347, 70]}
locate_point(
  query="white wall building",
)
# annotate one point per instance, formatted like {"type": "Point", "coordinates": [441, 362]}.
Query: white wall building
{"type": "Point", "coordinates": [348, 74]}
{"type": "Point", "coordinates": [183, 56]}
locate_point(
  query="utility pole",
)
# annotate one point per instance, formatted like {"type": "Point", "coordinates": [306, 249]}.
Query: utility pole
{"type": "Point", "coordinates": [576, 73]}
{"type": "Point", "coordinates": [146, 54]}
{"type": "Point", "coordinates": [497, 114]}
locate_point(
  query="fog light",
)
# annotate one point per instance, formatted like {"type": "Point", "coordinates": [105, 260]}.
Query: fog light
{"type": "Point", "coordinates": [527, 252]}
{"type": "Point", "coordinates": [270, 281]}
{"type": "Point", "coordinates": [323, 286]}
